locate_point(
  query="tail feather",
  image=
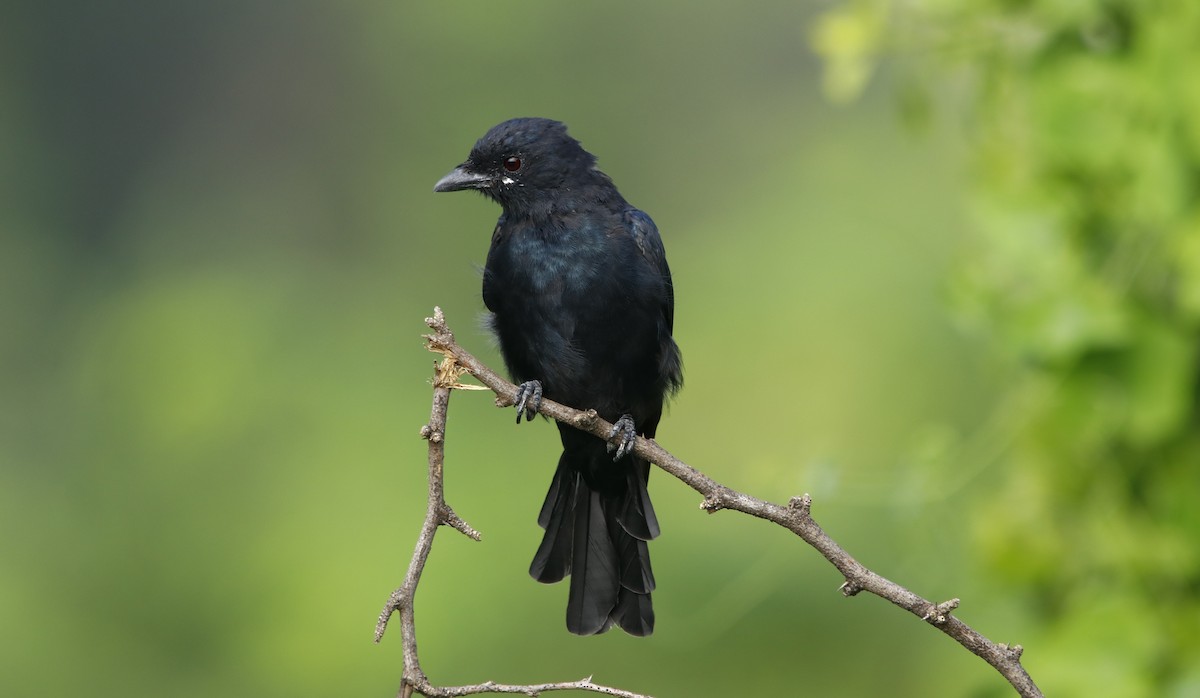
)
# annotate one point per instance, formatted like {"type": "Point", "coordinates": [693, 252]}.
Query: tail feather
{"type": "Point", "coordinates": [633, 556]}
{"type": "Point", "coordinates": [556, 487]}
{"type": "Point", "coordinates": [597, 522]}
{"type": "Point", "coordinates": [552, 561]}
{"type": "Point", "coordinates": [593, 592]}
{"type": "Point", "coordinates": [634, 613]}
{"type": "Point", "coordinates": [637, 515]}
{"type": "Point", "coordinates": [636, 573]}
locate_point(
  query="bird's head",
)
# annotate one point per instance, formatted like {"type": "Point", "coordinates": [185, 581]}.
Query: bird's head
{"type": "Point", "coordinates": [520, 160]}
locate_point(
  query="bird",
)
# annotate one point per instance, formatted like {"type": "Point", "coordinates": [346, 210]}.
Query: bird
{"type": "Point", "coordinates": [581, 301]}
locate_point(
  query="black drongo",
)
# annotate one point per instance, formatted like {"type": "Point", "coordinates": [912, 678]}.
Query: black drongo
{"type": "Point", "coordinates": [582, 304]}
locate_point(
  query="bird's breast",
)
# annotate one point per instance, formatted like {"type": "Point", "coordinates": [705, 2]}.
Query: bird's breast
{"type": "Point", "coordinates": [547, 264]}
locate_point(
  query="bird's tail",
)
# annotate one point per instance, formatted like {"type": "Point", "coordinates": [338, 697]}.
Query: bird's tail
{"type": "Point", "coordinates": [598, 517]}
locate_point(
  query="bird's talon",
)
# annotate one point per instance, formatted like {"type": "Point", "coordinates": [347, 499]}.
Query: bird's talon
{"type": "Point", "coordinates": [622, 436]}
{"type": "Point", "coordinates": [529, 400]}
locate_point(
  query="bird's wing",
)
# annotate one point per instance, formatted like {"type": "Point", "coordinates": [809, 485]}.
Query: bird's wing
{"type": "Point", "coordinates": [645, 234]}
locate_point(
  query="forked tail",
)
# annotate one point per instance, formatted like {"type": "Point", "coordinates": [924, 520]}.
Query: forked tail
{"type": "Point", "coordinates": [598, 517]}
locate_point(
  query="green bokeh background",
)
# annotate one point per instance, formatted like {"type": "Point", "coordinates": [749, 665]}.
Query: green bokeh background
{"type": "Point", "coordinates": [219, 242]}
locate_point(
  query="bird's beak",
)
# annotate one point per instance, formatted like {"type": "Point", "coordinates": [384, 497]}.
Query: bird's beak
{"type": "Point", "coordinates": [461, 178]}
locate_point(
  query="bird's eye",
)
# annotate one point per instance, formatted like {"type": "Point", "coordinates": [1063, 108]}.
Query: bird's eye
{"type": "Point", "coordinates": [512, 164]}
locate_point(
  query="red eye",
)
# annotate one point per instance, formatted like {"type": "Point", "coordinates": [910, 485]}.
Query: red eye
{"type": "Point", "coordinates": [512, 164]}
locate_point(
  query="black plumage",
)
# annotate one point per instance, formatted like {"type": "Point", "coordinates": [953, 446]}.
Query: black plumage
{"type": "Point", "coordinates": [582, 304]}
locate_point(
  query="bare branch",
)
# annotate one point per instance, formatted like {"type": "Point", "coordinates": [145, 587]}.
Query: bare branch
{"type": "Point", "coordinates": [530, 690]}
{"type": "Point", "coordinates": [437, 513]}
{"type": "Point", "coordinates": [795, 517]}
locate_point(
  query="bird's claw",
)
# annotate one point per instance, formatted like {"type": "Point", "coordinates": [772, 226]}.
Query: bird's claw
{"type": "Point", "coordinates": [529, 400]}
{"type": "Point", "coordinates": [622, 436]}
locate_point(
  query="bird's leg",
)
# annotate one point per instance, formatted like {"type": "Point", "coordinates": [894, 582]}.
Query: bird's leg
{"type": "Point", "coordinates": [620, 438]}
{"type": "Point", "coordinates": [529, 399]}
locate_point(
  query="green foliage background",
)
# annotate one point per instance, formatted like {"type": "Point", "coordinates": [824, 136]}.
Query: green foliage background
{"type": "Point", "coordinates": [974, 345]}
{"type": "Point", "coordinates": [1084, 129]}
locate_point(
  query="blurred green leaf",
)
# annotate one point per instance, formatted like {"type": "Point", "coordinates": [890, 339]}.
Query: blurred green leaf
{"type": "Point", "coordinates": [849, 39]}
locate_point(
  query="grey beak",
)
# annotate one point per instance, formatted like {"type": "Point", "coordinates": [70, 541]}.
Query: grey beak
{"type": "Point", "coordinates": [461, 178]}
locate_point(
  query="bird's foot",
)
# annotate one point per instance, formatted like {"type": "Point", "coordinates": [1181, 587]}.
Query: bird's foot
{"type": "Point", "coordinates": [529, 399]}
{"type": "Point", "coordinates": [621, 438]}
